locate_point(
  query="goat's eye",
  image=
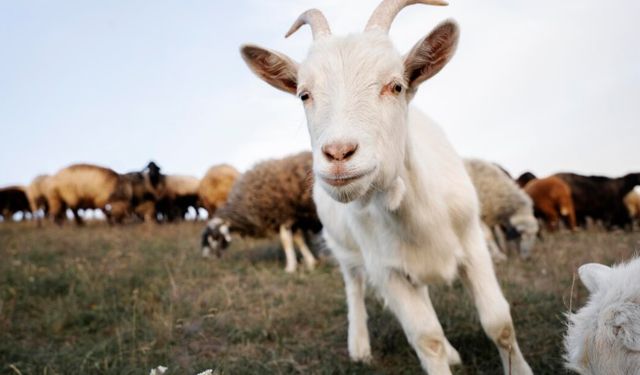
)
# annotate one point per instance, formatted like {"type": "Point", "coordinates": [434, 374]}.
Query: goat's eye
{"type": "Point", "coordinates": [304, 96]}
{"type": "Point", "coordinates": [392, 88]}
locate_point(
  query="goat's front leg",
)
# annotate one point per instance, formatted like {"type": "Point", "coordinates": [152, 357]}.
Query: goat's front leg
{"type": "Point", "coordinates": [289, 252]}
{"type": "Point", "coordinates": [359, 344]}
{"type": "Point", "coordinates": [493, 308]}
{"type": "Point", "coordinates": [452, 354]}
{"type": "Point", "coordinates": [415, 312]}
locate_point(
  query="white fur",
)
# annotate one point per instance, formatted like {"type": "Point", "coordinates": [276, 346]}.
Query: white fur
{"type": "Point", "coordinates": [604, 336]}
{"type": "Point", "coordinates": [406, 160]}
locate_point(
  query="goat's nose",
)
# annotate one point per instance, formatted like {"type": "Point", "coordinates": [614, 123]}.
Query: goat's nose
{"type": "Point", "coordinates": [339, 151]}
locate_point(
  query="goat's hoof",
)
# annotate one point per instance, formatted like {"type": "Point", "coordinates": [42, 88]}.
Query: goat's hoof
{"type": "Point", "coordinates": [499, 258]}
{"type": "Point", "coordinates": [365, 359]}
{"type": "Point", "coordinates": [312, 265]}
{"type": "Point", "coordinates": [290, 270]}
{"type": "Point", "coordinates": [453, 357]}
{"type": "Point", "coordinates": [360, 351]}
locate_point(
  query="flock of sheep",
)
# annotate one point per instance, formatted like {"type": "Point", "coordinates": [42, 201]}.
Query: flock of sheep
{"type": "Point", "coordinates": [147, 195]}
{"type": "Point", "coordinates": [275, 197]}
{"type": "Point", "coordinates": [396, 205]}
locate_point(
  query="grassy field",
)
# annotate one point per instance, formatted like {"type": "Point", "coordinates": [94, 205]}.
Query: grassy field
{"type": "Point", "coordinates": [121, 300]}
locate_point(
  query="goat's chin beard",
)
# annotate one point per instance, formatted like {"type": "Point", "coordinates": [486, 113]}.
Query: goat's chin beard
{"type": "Point", "coordinates": [351, 192]}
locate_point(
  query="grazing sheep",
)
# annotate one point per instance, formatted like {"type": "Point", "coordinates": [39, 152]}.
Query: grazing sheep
{"type": "Point", "coordinates": [632, 202]}
{"type": "Point", "coordinates": [551, 201]}
{"type": "Point", "coordinates": [601, 198]}
{"type": "Point", "coordinates": [144, 188]}
{"type": "Point", "coordinates": [272, 197]}
{"type": "Point", "coordinates": [215, 186]}
{"type": "Point", "coordinates": [13, 199]}
{"type": "Point", "coordinates": [86, 186]}
{"type": "Point", "coordinates": [397, 207]}
{"type": "Point", "coordinates": [176, 193]}
{"type": "Point", "coordinates": [603, 337]}
{"type": "Point", "coordinates": [503, 204]}
{"type": "Point", "coordinates": [37, 194]}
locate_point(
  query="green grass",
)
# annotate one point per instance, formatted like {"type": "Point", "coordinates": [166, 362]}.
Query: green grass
{"type": "Point", "coordinates": [122, 300]}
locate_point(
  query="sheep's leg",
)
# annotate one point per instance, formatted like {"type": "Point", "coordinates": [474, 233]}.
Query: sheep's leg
{"type": "Point", "coordinates": [287, 245]}
{"type": "Point", "coordinates": [548, 210]}
{"type": "Point", "coordinates": [492, 307]}
{"type": "Point", "coordinates": [500, 239]}
{"type": "Point", "coordinates": [309, 259]}
{"type": "Point", "coordinates": [418, 318]}
{"type": "Point", "coordinates": [77, 217]}
{"type": "Point", "coordinates": [56, 210]}
{"type": "Point", "coordinates": [496, 254]}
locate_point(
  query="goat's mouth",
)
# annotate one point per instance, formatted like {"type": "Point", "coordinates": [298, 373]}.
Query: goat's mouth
{"type": "Point", "coordinates": [339, 180]}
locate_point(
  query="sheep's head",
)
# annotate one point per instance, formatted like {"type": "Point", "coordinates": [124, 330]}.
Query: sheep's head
{"type": "Point", "coordinates": [215, 237]}
{"type": "Point", "coordinates": [154, 173]}
{"type": "Point", "coordinates": [525, 178]}
{"type": "Point", "coordinates": [355, 91]}
{"type": "Point", "coordinates": [524, 229]}
{"type": "Point", "coordinates": [604, 336]}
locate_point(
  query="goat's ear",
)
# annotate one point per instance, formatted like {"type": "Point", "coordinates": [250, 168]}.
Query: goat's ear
{"type": "Point", "coordinates": [625, 325]}
{"type": "Point", "coordinates": [594, 276]}
{"type": "Point", "coordinates": [431, 54]}
{"type": "Point", "coordinates": [272, 67]}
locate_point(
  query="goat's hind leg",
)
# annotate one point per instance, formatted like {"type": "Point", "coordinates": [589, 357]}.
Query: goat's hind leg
{"type": "Point", "coordinates": [493, 308]}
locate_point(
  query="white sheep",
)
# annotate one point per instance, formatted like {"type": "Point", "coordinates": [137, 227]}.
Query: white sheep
{"type": "Point", "coordinates": [603, 337]}
{"type": "Point", "coordinates": [397, 206]}
{"type": "Point", "coordinates": [502, 204]}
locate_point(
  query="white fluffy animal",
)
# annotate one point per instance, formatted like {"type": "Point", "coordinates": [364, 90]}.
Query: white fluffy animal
{"type": "Point", "coordinates": [398, 208]}
{"type": "Point", "coordinates": [604, 336]}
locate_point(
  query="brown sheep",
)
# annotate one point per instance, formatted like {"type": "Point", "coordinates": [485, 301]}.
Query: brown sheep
{"type": "Point", "coordinates": [632, 202]}
{"type": "Point", "coordinates": [85, 186]}
{"type": "Point", "coordinates": [146, 188]}
{"type": "Point", "coordinates": [13, 199]}
{"type": "Point", "coordinates": [216, 185]}
{"type": "Point", "coordinates": [552, 200]}
{"type": "Point", "coordinates": [275, 196]}
{"type": "Point", "coordinates": [37, 194]}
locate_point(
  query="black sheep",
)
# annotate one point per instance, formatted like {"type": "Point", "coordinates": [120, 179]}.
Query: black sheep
{"type": "Point", "coordinates": [601, 198]}
{"type": "Point", "coordinates": [13, 199]}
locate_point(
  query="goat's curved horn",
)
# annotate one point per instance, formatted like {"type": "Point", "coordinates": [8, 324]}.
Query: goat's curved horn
{"type": "Point", "coordinates": [315, 19]}
{"type": "Point", "coordinates": [384, 14]}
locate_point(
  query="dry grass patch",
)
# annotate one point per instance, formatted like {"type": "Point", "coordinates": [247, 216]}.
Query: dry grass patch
{"type": "Point", "coordinates": [120, 300]}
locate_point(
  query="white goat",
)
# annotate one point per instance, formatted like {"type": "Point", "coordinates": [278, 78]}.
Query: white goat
{"type": "Point", "coordinates": [396, 203]}
{"type": "Point", "coordinates": [604, 336]}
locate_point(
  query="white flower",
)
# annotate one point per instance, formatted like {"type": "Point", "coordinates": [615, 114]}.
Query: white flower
{"type": "Point", "coordinates": [158, 370]}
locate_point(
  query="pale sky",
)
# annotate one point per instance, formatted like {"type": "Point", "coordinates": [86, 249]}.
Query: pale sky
{"type": "Point", "coordinates": [539, 85]}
